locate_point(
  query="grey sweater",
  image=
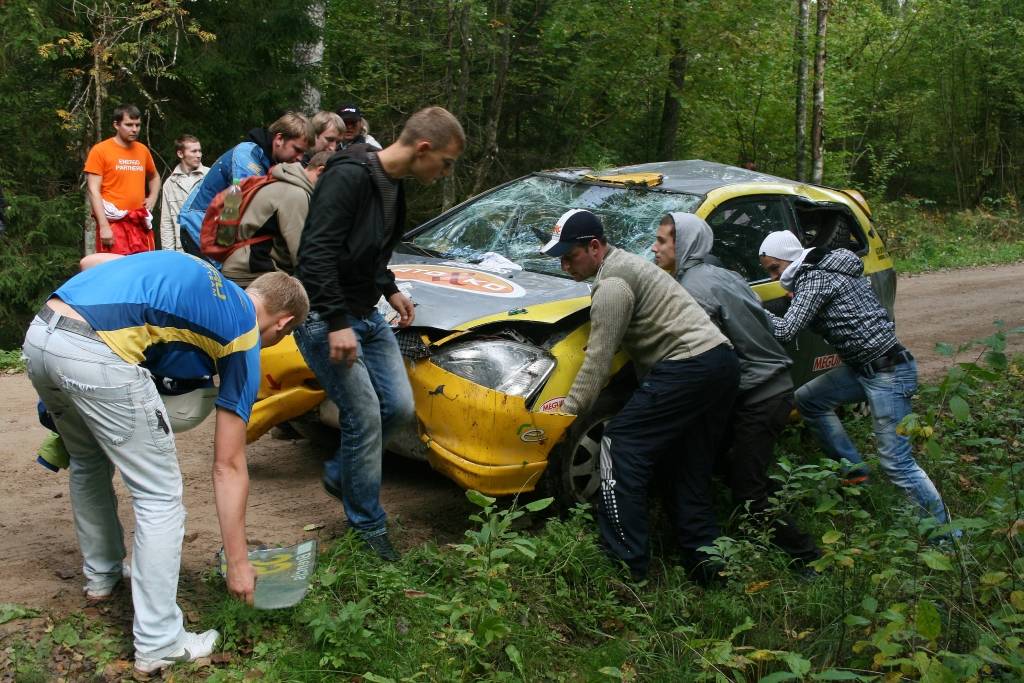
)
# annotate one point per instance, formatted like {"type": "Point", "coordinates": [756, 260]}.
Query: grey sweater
{"type": "Point", "coordinates": [733, 306]}
{"type": "Point", "coordinates": [639, 306]}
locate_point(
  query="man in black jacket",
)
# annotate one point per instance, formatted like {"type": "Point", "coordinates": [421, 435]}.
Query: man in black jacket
{"type": "Point", "coordinates": [356, 217]}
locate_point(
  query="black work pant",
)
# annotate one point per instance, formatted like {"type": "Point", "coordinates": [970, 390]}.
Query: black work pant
{"type": "Point", "coordinates": [748, 454]}
{"type": "Point", "coordinates": [680, 412]}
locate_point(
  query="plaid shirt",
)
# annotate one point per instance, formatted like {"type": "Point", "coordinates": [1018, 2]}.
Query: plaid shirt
{"type": "Point", "coordinates": [832, 297]}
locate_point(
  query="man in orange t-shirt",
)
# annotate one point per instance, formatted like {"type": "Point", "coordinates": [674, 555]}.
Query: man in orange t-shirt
{"type": "Point", "coordinates": [123, 187]}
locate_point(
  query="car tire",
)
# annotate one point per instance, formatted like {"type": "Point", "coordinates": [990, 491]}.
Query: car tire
{"type": "Point", "coordinates": [320, 436]}
{"type": "Point", "coordinates": [573, 474]}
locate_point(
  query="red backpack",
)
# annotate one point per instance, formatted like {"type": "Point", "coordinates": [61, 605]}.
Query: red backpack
{"type": "Point", "coordinates": [212, 223]}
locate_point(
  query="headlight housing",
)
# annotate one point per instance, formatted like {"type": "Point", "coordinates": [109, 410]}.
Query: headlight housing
{"type": "Point", "coordinates": [506, 366]}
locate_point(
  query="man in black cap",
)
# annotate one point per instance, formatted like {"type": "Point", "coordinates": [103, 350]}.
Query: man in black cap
{"type": "Point", "coordinates": [355, 128]}
{"type": "Point", "coordinates": [688, 377]}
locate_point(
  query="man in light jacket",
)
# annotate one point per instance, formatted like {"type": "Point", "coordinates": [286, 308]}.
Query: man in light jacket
{"type": "Point", "coordinates": [183, 178]}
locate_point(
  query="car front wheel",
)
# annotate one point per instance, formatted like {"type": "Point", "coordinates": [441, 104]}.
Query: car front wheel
{"type": "Point", "coordinates": [573, 474]}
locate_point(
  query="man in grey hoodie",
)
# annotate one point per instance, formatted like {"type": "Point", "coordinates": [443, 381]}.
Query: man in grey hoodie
{"type": "Point", "coordinates": [765, 398]}
{"type": "Point", "coordinates": [688, 375]}
{"type": "Point", "coordinates": [276, 214]}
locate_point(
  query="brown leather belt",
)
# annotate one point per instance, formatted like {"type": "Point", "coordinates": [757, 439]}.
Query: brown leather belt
{"type": "Point", "coordinates": [69, 324]}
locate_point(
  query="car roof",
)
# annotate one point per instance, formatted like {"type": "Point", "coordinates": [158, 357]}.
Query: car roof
{"type": "Point", "coordinates": [692, 176]}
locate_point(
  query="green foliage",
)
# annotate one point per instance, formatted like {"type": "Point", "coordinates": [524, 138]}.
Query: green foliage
{"type": "Point", "coordinates": [921, 237]}
{"type": "Point", "coordinates": [38, 252]}
{"type": "Point", "coordinates": [9, 611]}
{"type": "Point", "coordinates": [11, 360]}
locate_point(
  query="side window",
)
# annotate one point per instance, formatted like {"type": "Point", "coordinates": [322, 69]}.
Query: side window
{"type": "Point", "coordinates": [740, 226]}
{"type": "Point", "coordinates": [830, 226]}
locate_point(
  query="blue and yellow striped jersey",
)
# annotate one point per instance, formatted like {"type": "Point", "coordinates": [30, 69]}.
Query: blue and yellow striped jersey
{"type": "Point", "coordinates": [175, 315]}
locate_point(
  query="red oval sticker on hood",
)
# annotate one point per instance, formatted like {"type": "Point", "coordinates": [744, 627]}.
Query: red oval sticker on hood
{"type": "Point", "coordinates": [461, 279]}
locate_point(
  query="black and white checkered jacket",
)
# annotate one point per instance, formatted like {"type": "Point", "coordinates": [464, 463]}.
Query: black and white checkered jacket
{"type": "Point", "coordinates": [832, 297]}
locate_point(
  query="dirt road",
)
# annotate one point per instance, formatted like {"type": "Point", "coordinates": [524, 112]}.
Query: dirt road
{"type": "Point", "coordinates": [42, 567]}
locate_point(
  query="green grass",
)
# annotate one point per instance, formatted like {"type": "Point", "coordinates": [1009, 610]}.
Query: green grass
{"type": "Point", "coordinates": [11, 360]}
{"type": "Point", "coordinates": [514, 604]}
{"type": "Point", "coordinates": [921, 239]}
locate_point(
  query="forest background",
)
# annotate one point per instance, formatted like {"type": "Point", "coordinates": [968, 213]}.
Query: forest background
{"type": "Point", "coordinates": [921, 101]}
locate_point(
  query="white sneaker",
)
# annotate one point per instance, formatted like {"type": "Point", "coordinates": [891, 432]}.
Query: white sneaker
{"type": "Point", "coordinates": [196, 646]}
{"type": "Point", "coordinates": [93, 594]}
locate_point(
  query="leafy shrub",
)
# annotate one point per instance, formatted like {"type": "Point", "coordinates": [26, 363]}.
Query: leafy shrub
{"type": "Point", "coordinates": [920, 237]}
{"type": "Point", "coordinates": [40, 250]}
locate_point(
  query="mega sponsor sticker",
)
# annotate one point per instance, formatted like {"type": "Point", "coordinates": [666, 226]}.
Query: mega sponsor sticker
{"type": "Point", "coordinates": [552, 404]}
{"type": "Point", "coordinates": [458, 278]}
{"type": "Point", "coordinates": [826, 362]}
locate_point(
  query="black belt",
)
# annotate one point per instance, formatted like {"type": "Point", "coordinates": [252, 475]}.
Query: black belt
{"type": "Point", "coordinates": [897, 355]}
{"type": "Point", "coordinates": [69, 324]}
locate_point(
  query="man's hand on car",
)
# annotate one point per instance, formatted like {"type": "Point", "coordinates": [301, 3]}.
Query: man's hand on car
{"type": "Point", "coordinates": [403, 305]}
{"type": "Point", "coordinates": [344, 348]}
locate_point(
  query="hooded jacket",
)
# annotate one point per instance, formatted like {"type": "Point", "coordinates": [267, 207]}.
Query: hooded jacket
{"type": "Point", "coordinates": [732, 305]}
{"type": "Point", "coordinates": [278, 210]}
{"type": "Point", "coordinates": [832, 297]}
{"type": "Point", "coordinates": [344, 251]}
{"type": "Point", "coordinates": [249, 158]}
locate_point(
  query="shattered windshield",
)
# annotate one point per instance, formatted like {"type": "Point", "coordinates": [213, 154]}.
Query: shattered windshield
{"type": "Point", "coordinates": [516, 220]}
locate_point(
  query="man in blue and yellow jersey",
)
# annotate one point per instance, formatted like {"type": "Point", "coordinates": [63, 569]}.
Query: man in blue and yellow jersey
{"type": "Point", "coordinates": [91, 353]}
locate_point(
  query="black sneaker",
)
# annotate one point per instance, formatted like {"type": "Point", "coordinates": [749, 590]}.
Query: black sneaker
{"type": "Point", "coordinates": [381, 545]}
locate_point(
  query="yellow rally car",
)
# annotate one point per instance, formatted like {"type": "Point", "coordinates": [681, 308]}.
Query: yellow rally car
{"type": "Point", "coordinates": [500, 331]}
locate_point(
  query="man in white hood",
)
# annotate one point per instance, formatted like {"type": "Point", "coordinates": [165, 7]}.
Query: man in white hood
{"type": "Point", "coordinates": [765, 398]}
{"type": "Point", "coordinates": [831, 296]}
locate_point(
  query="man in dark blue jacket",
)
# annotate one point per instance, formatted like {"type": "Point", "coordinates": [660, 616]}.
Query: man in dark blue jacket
{"type": "Point", "coordinates": [356, 217]}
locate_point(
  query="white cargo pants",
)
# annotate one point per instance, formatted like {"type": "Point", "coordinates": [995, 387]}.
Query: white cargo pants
{"type": "Point", "coordinates": [109, 415]}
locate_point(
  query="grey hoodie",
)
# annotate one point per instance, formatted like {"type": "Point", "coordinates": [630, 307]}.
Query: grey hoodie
{"type": "Point", "coordinates": [279, 210]}
{"type": "Point", "coordinates": [733, 306]}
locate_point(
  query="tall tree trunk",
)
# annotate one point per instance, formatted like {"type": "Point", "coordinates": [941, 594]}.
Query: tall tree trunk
{"type": "Point", "coordinates": [457, 105]}
{"type": "Point", "coordinates": [672, 105]}
{"type": "Point", "coordinates": [800, 67]}
{"type": "Point", "coordinates": [311, 56]}
{"type": "Point", "coordinates": [99, 91]}
{"type": "Point", "coordinates": [494, 111]}
{"type": "Point", "coordinates": [817, 125]}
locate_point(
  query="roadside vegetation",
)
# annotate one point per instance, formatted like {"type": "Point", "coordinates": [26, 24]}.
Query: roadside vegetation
{"type": "Point", "coordinates": [513, 602]}
{"type": "Point", "coordinates": [921, 237]}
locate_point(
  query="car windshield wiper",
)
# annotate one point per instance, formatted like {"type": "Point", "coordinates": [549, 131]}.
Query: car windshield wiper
{"type": "Point", "coordinates": [422, 251]}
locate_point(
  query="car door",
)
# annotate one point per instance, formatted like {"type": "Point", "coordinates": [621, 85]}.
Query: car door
{"type": "Point", "coordinates": [740, 225]}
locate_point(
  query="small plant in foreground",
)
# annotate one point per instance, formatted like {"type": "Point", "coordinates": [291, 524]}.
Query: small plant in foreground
{"type": "Point", "coordinates": [480, 610]}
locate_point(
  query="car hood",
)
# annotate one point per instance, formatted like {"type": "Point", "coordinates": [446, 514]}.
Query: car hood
{"type": "Point", "coordinates": [452, 295]}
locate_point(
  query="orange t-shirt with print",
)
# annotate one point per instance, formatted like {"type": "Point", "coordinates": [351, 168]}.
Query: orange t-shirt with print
{"type": "Point", "coordinates": [124, 171]}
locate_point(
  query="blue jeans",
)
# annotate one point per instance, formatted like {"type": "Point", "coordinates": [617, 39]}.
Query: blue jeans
{"type": "Point", "coordinates": [888, 393]}
{"type": "Point", "coordinates": [374, 400]}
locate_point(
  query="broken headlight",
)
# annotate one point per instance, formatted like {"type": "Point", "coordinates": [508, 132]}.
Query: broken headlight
{"type": "Point", "coordinates": [506, 366]}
